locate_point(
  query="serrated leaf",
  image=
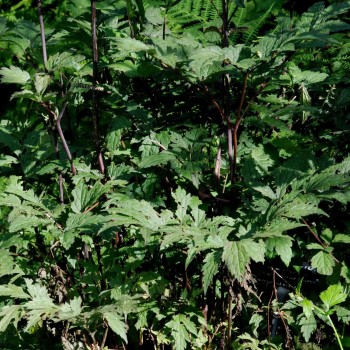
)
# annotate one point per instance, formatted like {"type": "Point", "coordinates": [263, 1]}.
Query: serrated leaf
{"type": "Point", "coordinates": [308, 326]}
{"type": "Point", "coordinates": [266, 191]}
{"type": "Point", "coordinates": [236, 258]}
{"type": "Point", "coordinates": [85, 196]}
{"type": "Point", "coordinates": [298, 209]}
{"type": "Point", "coordinates": [26, 222]}
{"type": "Point", "coordinates": [277, 227]}
{"type": "Point", "coordinates": [262, 160]}
{"type": "Point", "coordinates": [256, 250]}
{"type": "Point", "coordinates": [178, 332]}
{"type": "Point", "coordinates": [41, 82]}
{"type": "Point", "coordinates": [308, 307]}
{"type": "Point", "coordinates": [117, 325]}
{"type": "Point", "coordinates": [314, 246]}
{"type": "Point", "coordinates": [283, 247]}
{"type": "Point", "coordinates": [14, 75]}
{"type": "Point", "coordinates": [341, 238]}
{"type": "Point", "coordinates": [70, 310]}
{"type": "Point", "coordinates": [157, 159]}
{"type": "Point", "coordinates": [132, 45]}
{"type": "Point", "coordinates": [84, 221]}
{"type": "Point", "coordinates": [210, 268]}
{"type": "Point", "coordinates": [9, 313]}
{"type": "Point", "coordinates": [13, 291]}
{"type": "Point", "coordinates": [323, 262]}
{"type": "Point", "coordinates": [333, 295]}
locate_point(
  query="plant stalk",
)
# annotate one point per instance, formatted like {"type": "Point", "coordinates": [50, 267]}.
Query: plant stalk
{"type": "Point", "coordinates": [94, 90]}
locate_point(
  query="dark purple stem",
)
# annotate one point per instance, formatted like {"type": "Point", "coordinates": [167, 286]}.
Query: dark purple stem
{"type": "Point", "coordinates": [64, 143]}
{"type": "Point", "coordinates": [42, 31]}
{"type": "Point", "coordinates": [94, 82]}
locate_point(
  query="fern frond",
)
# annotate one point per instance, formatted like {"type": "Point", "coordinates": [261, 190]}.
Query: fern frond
{"type": "Point", "coordinates": [194, 15]}
{"type": "Point", "coordinates": [255, 26]}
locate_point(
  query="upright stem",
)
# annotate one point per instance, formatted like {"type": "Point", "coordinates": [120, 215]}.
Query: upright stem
{"type": "Point", "coordinates": [64, 142]}
{"type": "Point", "coordinates": [94, 82]}
{"type": "Point", "coordinates": [55, 138]}
{"type": "Point", "coordinates": [42, 31]}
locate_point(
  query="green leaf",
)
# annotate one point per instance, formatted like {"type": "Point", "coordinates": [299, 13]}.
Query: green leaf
{"type": "Point", "coordinates": [256, 250]}
{"type": "Point", "coordinates": [157, 159]}
{"type": "Point", "coordinates": [308, 307]}
{"type": "Point", "coordinates": [262, 160]}
{"type": "Point", "coordinates": [323, 262]}
{"type": "Point", "coordinates": [308, 326]}
{"type": "Point", "coordinates": [70, 310]}
{"type": "Point", "coordinates": [9, 313]}
{"type": "Point", "coordinates": [314, 246]}
{"type": "Point", "coordinates": [41, 82]}
{"type": "Point", "coordinates": [14, 75]}
{"type": "Point", "coordinates": [85, 196]}
{"type": "Point", "coordinates": [283, 247]}
{"type": "Point", "coordinates": [117, 325]}
{"type": "Point", "coordinates": [236, 258]}
{"type": "Point", "coordinates": [266, 191]}
{"type": "Point", "coordinates": [341, 238]}
{"type": "Point", "coordinates": [13, 291]}
{"type": "Point", "coordinates": [179, 332]}
{"type": "Point", "coordinates": [210, 268]}
{"type": "Point", "coordinates": [26, 222]}
{"type": "Point", "coordinates": [333, 295]}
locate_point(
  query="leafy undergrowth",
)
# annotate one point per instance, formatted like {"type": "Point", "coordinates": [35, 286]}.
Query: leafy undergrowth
{"type": "Point", "coordinates": [174, 175]}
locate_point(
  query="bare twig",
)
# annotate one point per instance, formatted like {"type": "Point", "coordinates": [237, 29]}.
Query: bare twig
{"type": "Point", "coordinates": [218, 169]}
{"type": "Point", "coordinates": [318, 239]}
{"type": "Point", "coordinates": [64, 142]}
{"type": "Point", "coordinates": [91, 208]}
{"type": "Point", "coordinates": [104, 337]}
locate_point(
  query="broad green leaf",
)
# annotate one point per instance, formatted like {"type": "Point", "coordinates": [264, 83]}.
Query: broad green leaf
{"type": "Point", "coordinates": [13, 291]}
{"type": "Point", "coordinates": [298, 209]}
{"type": "Point", "coordinates": [178, 332]}
{"type": "Point", "coordinates": [236, 258]}
{"type": "Point", "coordinates": [117, 325]}
{"type": "Point", "coordinates": [262, 160]}
{"type": "Point", "coordinates": [306, 77]}
{"type": "Point", "coordinates": [84, 221]}
{"type": "Point", "coordinates": [308, 326]}
{"type": "Point", "coordinates": [314, 246]}
{"type": "Point", "coordinates": [70, 310]}
{"type": "Point", "coordinates": [308, 307]}
{"type": "Point", "coordinates": [41, 82]}
{"type": "Point", "coordinates": [129, 45]}
{"type": "Point", "coordinates": [255, 321]}
{"type": "Point", "coordinates": [277, 227]}
{"type": "Point", "coordinates": [27, 222]}
{"type": "Point", "coordinates": [283, 247]}
{"type": "Point", "coordinates": [183, 200]}
{"type": "Point", "coordinates": [256, 250]}
{"type": "Point", "coordinates": [323, 262]}
{"type": "Point", "coordinates": [8, 314]}
{"type": "Point", "coordinates": [157, 159]}
{"type": "Point", "coordinates": [14, 75]}
{"type": "Point", "coordinates": [210, 268]}
{"type": "Point", "coordinates": [333, 295]}
{"type": "Point", "coordinates": [190, 326]}
{"type": "Point", "coordinates": [341, 238]}
{"type": "Point", "coordinates": [266, 191]}
{"type": "Point", "coordinates": [84, 197]}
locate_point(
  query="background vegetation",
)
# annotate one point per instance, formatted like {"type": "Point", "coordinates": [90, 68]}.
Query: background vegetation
{"type": "Point", "coordinates": [174, 174]}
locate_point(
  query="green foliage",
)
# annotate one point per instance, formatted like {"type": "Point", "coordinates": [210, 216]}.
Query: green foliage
{"type": "Point", "coordinates": [126, 223]}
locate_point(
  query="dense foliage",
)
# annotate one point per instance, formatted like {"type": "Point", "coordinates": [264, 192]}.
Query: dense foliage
{"type": "Point", "coordinates": [174, 174]}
